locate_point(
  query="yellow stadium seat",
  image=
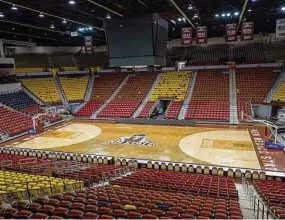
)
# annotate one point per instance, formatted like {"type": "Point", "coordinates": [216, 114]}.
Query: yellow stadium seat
{"type": "Point", "coordinates": [280, 94]}
{"type": "Point", "coordinates": [44, 88]}
{"type": "Point", "coordinates": [16, 185]}
{"type": "Point", "coordinates": [74, 88]}
{"type": "Point", "coordinates": [28, 70]}
{"type": "Point", "coordinates": [172, 85]}
{"type": "Point", "coordinates": [70, 68]}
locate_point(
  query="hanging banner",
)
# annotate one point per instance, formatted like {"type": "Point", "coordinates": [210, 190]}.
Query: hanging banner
{"type": "Point", "coordinates": [88, 43]}
{"type": "Point", "coordinates": [280, 28]}
{"type": "Point", "coordinates": [186, 36]}
{"type": "Point", "coordinates": [201, 36]}
{"type": "Point", "coordinates": [231, 32]}
{"type": "Point", "coordinates": [247, 31]}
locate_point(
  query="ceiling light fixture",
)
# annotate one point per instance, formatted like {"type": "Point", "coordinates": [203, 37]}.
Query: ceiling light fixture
{"type": "Point", "coordinates": [236, 13]}
{"type": "Point", "coordinates": [217, 15]}
{"type": "Point", "coordinates": [283, 8]}
{"type": "Point", "coordinates": [52, 26]}
{"type": "Point", "coordinates": [173, 21]}
{"type": "Point", "coordinates": [179, 19]}
{"type": "Point", "coordinates": [108, 16]}
{"type": "Point", "coordinates": [72, 2]}
{"type": "Point", "coordinates": [190, 7]}
{"type": "Point", "coordinates": [41, 15]}
{"type": "Point", "coordinates": [1, 15]}
{"type": "Point", "coordinates": [228, 14]}
{"type": "Point", "coordinates": [14, 7]}
{"type": "Point", "coordinates": [64, 21]}
{"type": "Point", "coordinates": [223, 15]}
{"type": "Point", "coordinates": [249, 10]}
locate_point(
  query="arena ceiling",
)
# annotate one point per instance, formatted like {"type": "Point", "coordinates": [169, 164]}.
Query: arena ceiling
{"type": "Point", "coordinates": [49, 22]}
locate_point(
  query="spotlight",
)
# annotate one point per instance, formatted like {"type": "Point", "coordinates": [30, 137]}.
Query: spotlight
{"type": "Point", "coordinates": [223, 15]}
{"type": "Point", "coordinates": [228, 14]}
{"type": "Point", "coordinates": [72, 2]}
{"type": "Point", "coordinates": [216, 15]}
{"type": "Point", "coordinates": [249, 10]}
{"type": "Point", "coordinates": [236, 13]}
{"type": "Point", "coordinates": [1, 15]}
{"type": "Point", "coordinates": [283, 8]}
{"type": "Point", "coordinates": [108, 16]}
{"type": "Point", "coordinates": [41, 15]}
{"type": "Point", "coordinates": [190, 7]}
{"type": "Point", "coordinates": [52, 26]}
{"type": "Point", "coordinates": [64, 21]}
{"type": "Point", "coordinates": [179, 19]}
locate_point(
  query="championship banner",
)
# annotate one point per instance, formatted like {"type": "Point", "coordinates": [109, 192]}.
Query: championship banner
{"type": "Point", "coordinates": [186, 36]}
{"type": "Point", "coordinates": [280, 28]}
{"type": "Point", "coordinates": [201, 36]}
{"type": "Point", "coordinates": [247, 31]}
{"type": "Point", "coordinates": [88, 43]}
{"type": "Point", "coordinates": [231, 32]}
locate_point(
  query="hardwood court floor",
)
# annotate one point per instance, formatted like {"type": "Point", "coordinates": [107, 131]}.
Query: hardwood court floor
{"type": "Point", "coordinates": [205, 145]}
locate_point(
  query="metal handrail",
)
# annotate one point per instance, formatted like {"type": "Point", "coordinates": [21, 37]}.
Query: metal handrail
{"type": "Point", "coordinates": [259, 206]}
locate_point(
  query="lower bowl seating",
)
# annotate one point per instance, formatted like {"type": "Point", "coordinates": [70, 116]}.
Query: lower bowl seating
{"type": "Point", "coordinates": [13, 122]}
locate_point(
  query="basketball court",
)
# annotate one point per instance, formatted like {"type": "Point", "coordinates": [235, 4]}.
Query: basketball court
{"type": "Point", "coordinates": [223, 146]}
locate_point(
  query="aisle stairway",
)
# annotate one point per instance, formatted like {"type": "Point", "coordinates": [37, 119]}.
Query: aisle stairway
{"type": "Point", "coordinates": [60, 90]}
{"type": "Point", "coordinates": [145, 101]}
{"type": "Point", "coordinates": [210, 98]}
{"type": "Point", "coordinates": [103, 87]}
{"type": "Point", "coordinates": [233, 98]}
{"type": "Point", "coordinates": [123, 83]}
{"type": "Point", "coordinates": [188, 97]}
{"type": "Point", "coordinates": [246, 208]}
{"type": "Point", "coordinates": [130, 96]}
{"type": "Point", "coordinates": [89, 88]}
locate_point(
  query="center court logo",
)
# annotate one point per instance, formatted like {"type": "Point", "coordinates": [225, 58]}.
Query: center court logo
{"type": "Point", "coordinates": [137, 139]}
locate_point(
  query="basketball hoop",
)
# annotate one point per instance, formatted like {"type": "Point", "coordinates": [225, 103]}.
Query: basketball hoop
{"type": "Point", "coordinates": [273, 127]}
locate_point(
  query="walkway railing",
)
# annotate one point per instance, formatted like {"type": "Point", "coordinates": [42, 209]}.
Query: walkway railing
{"type": "Point", "coordinates": [261, 210]}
